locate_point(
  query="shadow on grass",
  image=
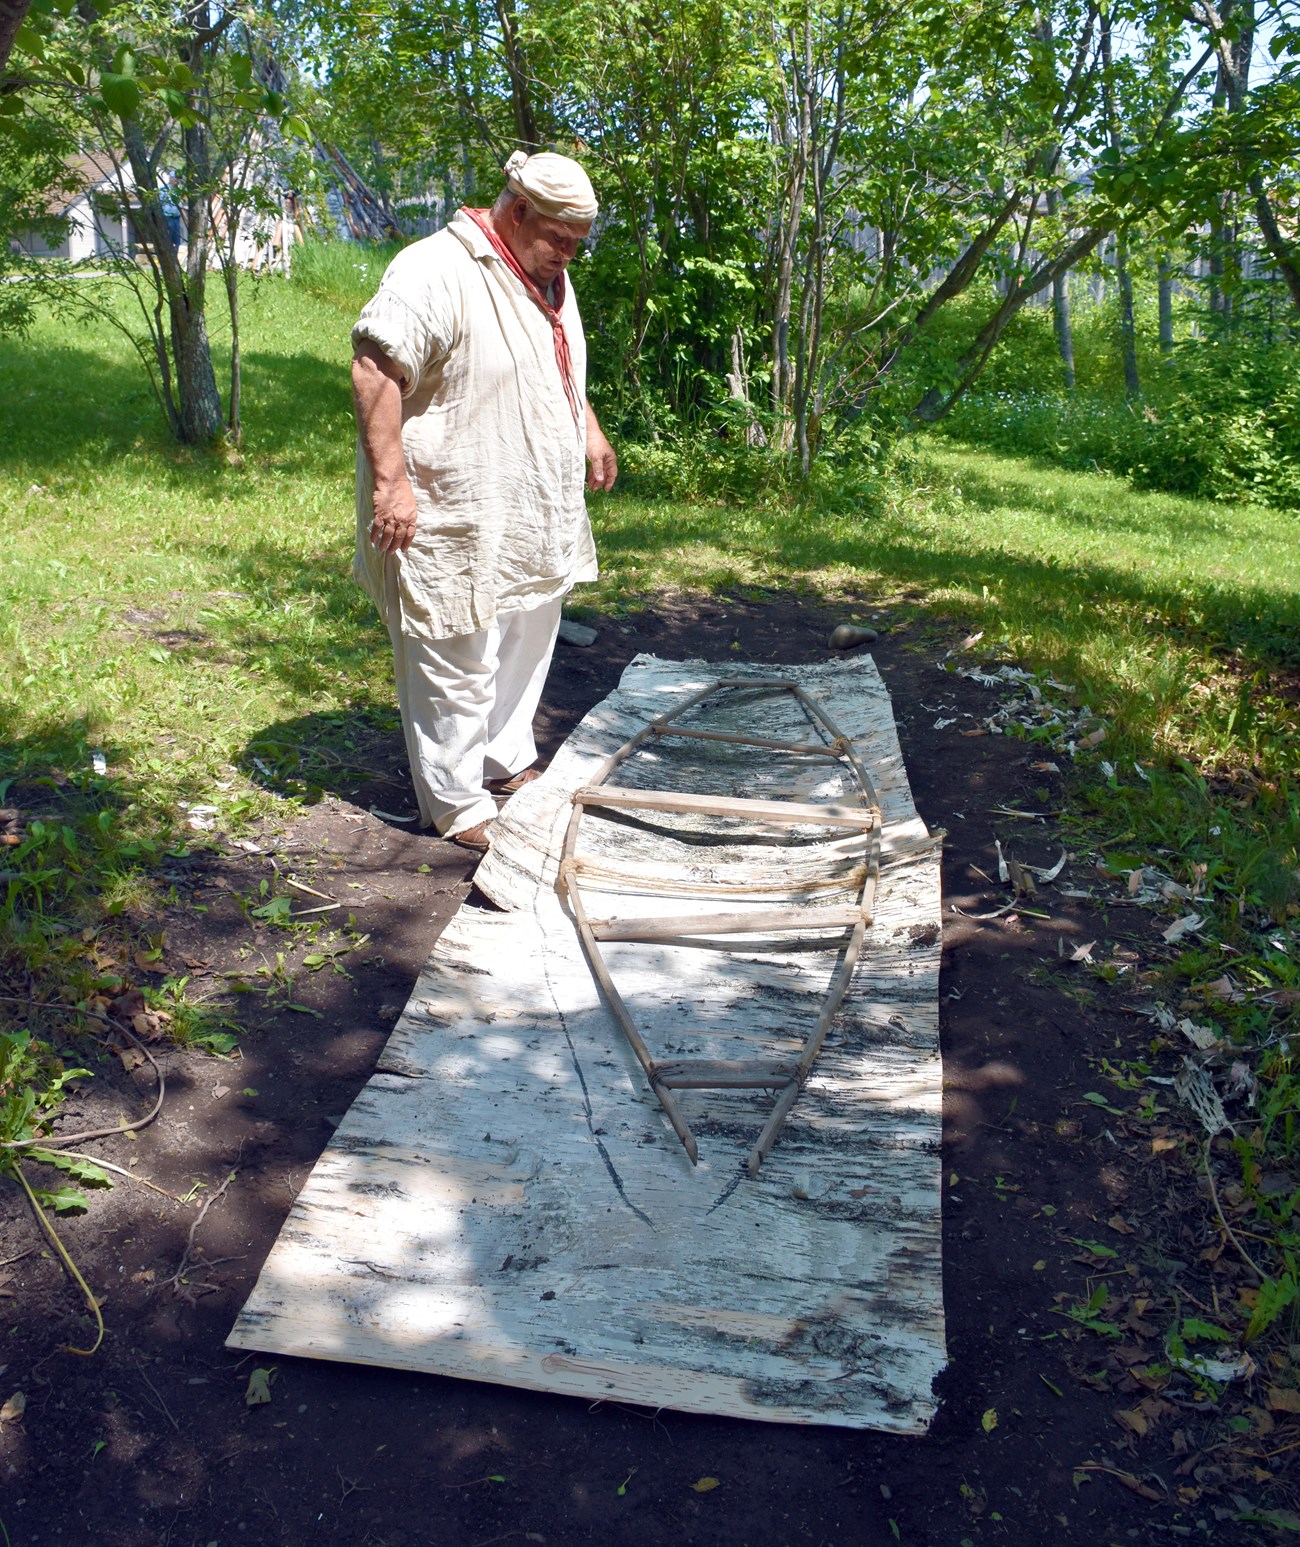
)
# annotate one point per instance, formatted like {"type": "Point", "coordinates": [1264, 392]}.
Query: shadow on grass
{"type": "Point", "coordinates": [1256, 628]}
{"type": "Point", "coordinates": [66, 406]}
{"type": "Point", "coordinates": [356, 753]}
{"type": "Point", "coordinates": [1111, 503]}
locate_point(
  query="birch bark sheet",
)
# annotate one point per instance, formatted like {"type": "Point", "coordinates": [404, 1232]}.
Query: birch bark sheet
{"type": "Point", "coordinates": [505, 1201]}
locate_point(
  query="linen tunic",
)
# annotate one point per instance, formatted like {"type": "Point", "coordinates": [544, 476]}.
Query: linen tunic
{"type": "Point", "coordinates": [495, 459]}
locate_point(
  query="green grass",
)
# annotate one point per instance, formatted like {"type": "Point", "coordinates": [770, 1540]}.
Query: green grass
{"type": "Point", "coordinates": [164, 606]}
{"type": "Point", "coordinates": [192, 617]}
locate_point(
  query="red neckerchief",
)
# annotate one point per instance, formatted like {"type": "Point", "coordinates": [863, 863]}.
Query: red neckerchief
{"type": "Point", "coordinates": [482, 219]}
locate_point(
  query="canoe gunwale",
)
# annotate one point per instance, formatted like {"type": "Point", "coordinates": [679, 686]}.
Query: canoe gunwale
{"type": "Point", "coordinates": [721, 929]}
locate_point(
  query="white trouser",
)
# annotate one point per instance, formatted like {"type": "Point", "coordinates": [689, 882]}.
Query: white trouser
{"type": "Point", "coordinates": [467, 708]}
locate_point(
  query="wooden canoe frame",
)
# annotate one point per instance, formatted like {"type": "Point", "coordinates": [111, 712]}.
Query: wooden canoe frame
{"type": "Point", "coordinates": [788, 1077]}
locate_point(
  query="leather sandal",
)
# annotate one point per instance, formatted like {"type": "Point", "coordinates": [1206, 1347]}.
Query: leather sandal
{"type": "Point", "coordinates": [477, 839]}
{"type": "Point", "coordinates": [514, 783]}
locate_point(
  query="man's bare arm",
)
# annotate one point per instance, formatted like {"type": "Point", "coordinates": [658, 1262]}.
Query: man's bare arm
{"type": "Point", "coordinates": [602, 464]}
{"type": "Point", "coordinates": [377, 399]}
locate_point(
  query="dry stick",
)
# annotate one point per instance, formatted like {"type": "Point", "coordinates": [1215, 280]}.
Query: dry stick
{"type": "Point", "coordinates": [58, 1140]}
{"type": "Point", "coordinates": [175, 1279]}
{"type": "Point", "coordinates": [68, 1263]}
{"type": "Point", "coordinates": [1218, 1209]}
{"type": "Point", "coordinates": [8, 1262]}
{"type": "Point", "coordinates": [110, 1165]}
{"type": "Point", "coordinates": [300, 886]}
{"type": "Point", "coordinates": [166, 1411]}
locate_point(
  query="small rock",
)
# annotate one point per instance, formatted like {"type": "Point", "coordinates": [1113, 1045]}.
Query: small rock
{"type": "Point", "coordinates": [576, 633]}
{"type": "Point", "coordinates": [848, 636]}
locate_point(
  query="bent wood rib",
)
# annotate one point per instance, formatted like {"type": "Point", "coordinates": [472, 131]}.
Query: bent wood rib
{"type": "Point", "coordinates": [727, 1074]}
{"type": "Point", "coordinates": [782, 813]}
{"type": "Point", "coordinates": [690, 925]}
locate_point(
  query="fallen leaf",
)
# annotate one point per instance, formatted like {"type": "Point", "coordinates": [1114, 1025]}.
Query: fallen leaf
{"type": "Point", "coordinates": [149, 1025]}
{"type": "Point", "coordinates": [704, 1485]}
{"type": "Point", "coordinates": [1284, 1399]}
{"type": "Point", "coordinates": [1132, 1420]}
{"type": "Point", "coordinates": [14, 1408]}
{"type": "Point", "coordinates": [1095, 739]}
{"type": "Point", "coordinates": [1120, 1225]}
{"type": "Point", "coordinates": [989, 1422]}
{"type": "Point", "coordinates": [1163, 1146]}
{"type": "Point", "coordinates": [1186, 925]}
{"type": "Point", "coordinates": [259, 1387]}
{"type": "Point", "coordinates": [1083, 953]}
{"type": "Point", "coordinates": [1135, 878]}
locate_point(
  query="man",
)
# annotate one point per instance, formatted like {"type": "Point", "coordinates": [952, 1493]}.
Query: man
{"type": "Point", "coordinates": [469, 379]}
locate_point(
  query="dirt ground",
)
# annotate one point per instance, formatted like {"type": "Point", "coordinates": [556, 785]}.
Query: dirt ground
{"type": "Point", "coordinates": [1047, 1432]}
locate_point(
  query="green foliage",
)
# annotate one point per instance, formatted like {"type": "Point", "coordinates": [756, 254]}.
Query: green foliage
{"type": "Point", "coordinates": [1222, 421]}
{"type": "Point", "coordinates": [346, 274]}
{"type": "Point", "coordinates": [33, 1083]}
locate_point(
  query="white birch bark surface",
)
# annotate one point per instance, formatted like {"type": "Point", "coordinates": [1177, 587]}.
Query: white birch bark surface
{"type": "Point", "coordinates": [505, 1200]}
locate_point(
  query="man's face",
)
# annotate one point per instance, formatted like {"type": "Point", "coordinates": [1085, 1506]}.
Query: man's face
{"type": "Point", "coordinates": [544, 247]}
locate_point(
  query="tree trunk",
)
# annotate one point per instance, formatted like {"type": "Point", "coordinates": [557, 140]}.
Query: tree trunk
{"type": "Point", "coordinates": [795, 141]}
{"type": "Point", "coordinates": [12, 15]}
{"type": "Point", "coordinates": [1284, 253]}
{"type": "Point", "coordinates": [1124, 279]}
{"type": "Point", "coordinates": [937, 402]}
{"type": "Point", "coordinates": [1127, 328]}
{"type": "Point", "coordinates": [1061, 311]}
{"type": "Point", "coordinates": [1165, 292]}
{"type": "Point", "coordinates": [234, 429]}
{"type": "Point", "coordinates": [521, 97]}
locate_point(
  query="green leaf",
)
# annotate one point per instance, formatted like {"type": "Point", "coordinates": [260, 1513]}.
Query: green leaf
{"type": "Point", "coordinates": [83, 1171]}
{"type": "Point", "coordinates": [30, 41]}
{"type": "Point", "coordinates": [296, 126]}
{"type": "Point", "coordinates": [219, 1043]}
{"type": "Point", "coordinates": [258, 1391]}
{"type": "Point", "coordinates": [1193, 1327]}
{"type": "Point", "coordinates": [124, 60]}
{"type": "Point", "coordinates": [241, 67]}
{"type": "Point", "coordinates": [67, 1200]}
{"type": "Point", "coordinates": [1274, 1297]}
{"type": "Point", "coordinates": [1095, 1247]}
{"type": "Point", "coordinates": [989, 1422]}
{"type": "Point", "coordinates": [121, 96]}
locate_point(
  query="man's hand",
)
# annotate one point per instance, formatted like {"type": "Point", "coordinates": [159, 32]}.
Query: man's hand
{"type": "Point", "coordinates": [602, 464]}
{"type": "Point", "coordinates": [394, 525]}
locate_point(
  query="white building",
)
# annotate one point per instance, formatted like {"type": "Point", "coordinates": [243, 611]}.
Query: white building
{"type": "Point", "coordinates": [91, 203]}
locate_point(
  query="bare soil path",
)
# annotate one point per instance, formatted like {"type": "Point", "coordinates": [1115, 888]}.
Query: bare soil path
{"type": "Point", "coordinates": [1047, 1432]}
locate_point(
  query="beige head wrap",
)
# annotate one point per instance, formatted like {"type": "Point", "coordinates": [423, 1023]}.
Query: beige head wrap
{"type": "Point", "coordinates": [554, 185]}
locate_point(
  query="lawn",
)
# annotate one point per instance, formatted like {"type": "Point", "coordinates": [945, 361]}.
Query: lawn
{"type": "Point", "coordinates": [167, 608]}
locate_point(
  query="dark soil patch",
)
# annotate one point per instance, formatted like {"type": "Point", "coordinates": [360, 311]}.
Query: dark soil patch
{"type": "Point", "coordinates": [150, 1441]}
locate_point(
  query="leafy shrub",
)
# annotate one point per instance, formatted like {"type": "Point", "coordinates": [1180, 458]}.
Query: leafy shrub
{"type": "Point", "coordinates": [1225, 426]}
{"type": "Point", "coordinates": [1232, 430]}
